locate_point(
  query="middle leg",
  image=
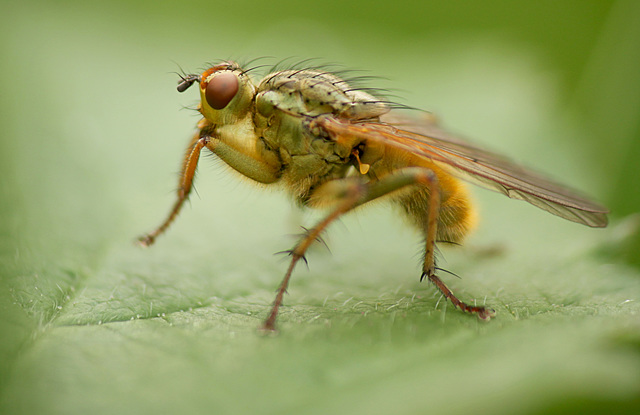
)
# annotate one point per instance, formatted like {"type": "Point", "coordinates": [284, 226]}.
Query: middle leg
{"type": "Point", "coordinates": [353, 192]}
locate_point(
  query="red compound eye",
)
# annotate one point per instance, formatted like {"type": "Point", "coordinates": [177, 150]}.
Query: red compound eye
{"type": "Point", "coordinates": [221, 90]}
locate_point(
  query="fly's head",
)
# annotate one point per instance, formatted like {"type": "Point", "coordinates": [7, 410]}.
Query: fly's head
{"type": "Point", "coordinates": [226, 93]}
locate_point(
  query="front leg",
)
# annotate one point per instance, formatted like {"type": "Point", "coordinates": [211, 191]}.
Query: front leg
{"type": "Point", "coordinates": [252, 160]}
{"type": "Point", "coordinates": [186, 184]}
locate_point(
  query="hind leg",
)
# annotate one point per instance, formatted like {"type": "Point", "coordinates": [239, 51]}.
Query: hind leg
{"type": "Point", "coordinates": [430, 221]}
{"type": "Point", "coordinates": [346, 194]}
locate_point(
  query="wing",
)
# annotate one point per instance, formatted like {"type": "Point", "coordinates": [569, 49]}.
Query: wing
{"type": "Point", "coordinates": [473, 164]}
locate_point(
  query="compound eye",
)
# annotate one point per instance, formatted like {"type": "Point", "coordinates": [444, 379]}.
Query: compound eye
{"type": "Point", "coordinates": [221, 90]}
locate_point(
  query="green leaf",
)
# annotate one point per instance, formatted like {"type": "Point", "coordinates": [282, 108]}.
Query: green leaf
{"type": "Point", "coordinates": [91, 142]}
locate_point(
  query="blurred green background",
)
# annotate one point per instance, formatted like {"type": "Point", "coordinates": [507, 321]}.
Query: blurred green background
{"type": "Point", "coordinates": [92, 136]}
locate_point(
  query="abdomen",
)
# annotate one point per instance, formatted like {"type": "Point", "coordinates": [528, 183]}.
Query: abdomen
{"type": "Point", "coordinates": [457, 215]}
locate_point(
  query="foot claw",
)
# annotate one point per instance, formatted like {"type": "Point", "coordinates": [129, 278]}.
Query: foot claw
{"type": "Point", "coordinates": [145, 241]}
{"type": "Point", "coordinates": [486, 313]}
{"type": "Point", "coordinates": [268, 327]}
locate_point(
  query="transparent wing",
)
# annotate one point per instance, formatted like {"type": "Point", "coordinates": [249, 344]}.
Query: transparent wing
{"type": "Point", "coordinates": [473, 164]}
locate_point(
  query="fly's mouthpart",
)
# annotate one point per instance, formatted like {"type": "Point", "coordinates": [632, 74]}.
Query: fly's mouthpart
{"type": "Point", "coordinates": [187, 81]}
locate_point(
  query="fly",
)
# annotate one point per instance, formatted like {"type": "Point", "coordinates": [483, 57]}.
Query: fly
{"type": "Point", "coordinates": [329, 144]}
